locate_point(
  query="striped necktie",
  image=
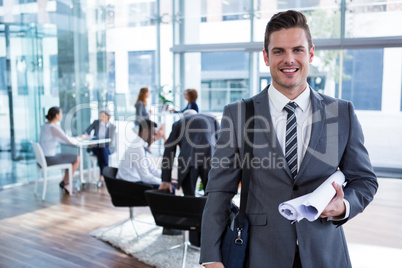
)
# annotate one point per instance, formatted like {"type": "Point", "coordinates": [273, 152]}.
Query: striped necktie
{"type": "Point", "coordinates": [291, 138]}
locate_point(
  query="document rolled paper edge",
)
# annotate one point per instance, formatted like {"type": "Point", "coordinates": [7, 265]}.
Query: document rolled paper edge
{"type": "Point", "coordinates": [310, 210]}
{"type": "Point", "coordinates": [291, 209]}
{"type": "Point", "coordinates": [289, 212]}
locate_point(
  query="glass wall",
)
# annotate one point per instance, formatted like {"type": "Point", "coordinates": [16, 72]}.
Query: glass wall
{"type": "Point", "coordinates": [81, 56]}
{"type": "Point", "coordinates": [230, 85]}
{"type": "Point", "coordinates": [21, 90]}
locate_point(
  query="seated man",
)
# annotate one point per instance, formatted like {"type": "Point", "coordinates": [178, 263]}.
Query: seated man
{"type": "Point", "coordinates": [102, 129]}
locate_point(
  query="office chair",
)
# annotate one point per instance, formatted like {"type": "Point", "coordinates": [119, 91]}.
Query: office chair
{"type": "Point", "coordinates": [177, 212]}
{"type": "Point", "coordinates": [125, 194]}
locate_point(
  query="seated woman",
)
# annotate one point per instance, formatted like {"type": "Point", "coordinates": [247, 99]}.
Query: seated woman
{"type": "Point", "coordinates": [191, 96]}
{"type": "Point", "coordinates": [103, 129]}
{"type": "Point", "coordinates": [51, 135]}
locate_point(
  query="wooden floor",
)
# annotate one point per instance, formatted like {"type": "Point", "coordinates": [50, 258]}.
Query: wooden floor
{"type": "Point", "coordinates": [55, 233]}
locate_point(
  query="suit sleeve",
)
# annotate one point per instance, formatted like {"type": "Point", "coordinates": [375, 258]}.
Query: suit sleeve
{"type": "Point", "coordinates": [170, 151]}
{"type": "Point", "coordinates": [90, 128]}
{"type": "Point", "coordinates": [355, 164]}
{"type": "Point", "coordinates": [222, 185]}
{"type": "Point", "coordinates": [111, 136]}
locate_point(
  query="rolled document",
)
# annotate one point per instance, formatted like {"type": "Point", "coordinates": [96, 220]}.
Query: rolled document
{"type": "Point", "coordinates": [310, 206]}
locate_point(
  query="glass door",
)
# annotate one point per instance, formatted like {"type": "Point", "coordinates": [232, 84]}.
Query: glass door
{"type": "Point", "coordinates": [21, 83]}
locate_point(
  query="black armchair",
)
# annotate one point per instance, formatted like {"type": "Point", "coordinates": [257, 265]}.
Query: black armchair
{"type": "Point", "coordinates": [177, 212]}
{"type": "Point", "coordinates": [125, 194]}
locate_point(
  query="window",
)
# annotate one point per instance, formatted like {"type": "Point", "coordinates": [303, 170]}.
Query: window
{"type": "Point", "coordinates": [111, 72]}
{"type": "Point", "coordinates": [362, 78]}
{"type": "Point", "coordinates": [3, 86]}
{"type": "Point", "coordinates": [372, 18]}
{"type": "Point", "coordinates": [224, 79]}
{"type": "Point", "coordinates": [141, 68]}
{"type": "Point", "coordinates": [142, 14]}
{"type": "Point", "coordinates": [235, 9]}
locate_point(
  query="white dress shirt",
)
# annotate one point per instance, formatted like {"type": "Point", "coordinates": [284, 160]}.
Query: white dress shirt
{"type": "Point", "coordinates": [138, 165]}
{"type": "Point", "coordinates": [50, 137]}
{"type": "Point", "coordinates": [303, 112]}
{"type": "Point", "coordinates": [103, 130]}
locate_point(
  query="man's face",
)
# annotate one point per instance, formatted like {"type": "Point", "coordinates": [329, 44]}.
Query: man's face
{"type": "Point", "coordinates": [103, 117]}
{"type": "Point", "coordinates": [289, 58]}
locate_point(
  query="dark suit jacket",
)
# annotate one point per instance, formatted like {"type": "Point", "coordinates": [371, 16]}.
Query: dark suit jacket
{"type": "Point", "coordinates": [193, 106]}
{"type": "Point", "coordinates": [109, 135]}
{"type": "Point", "coordinates": [336, 141]}
{"type": "Point", "coordinates": [196, 136]}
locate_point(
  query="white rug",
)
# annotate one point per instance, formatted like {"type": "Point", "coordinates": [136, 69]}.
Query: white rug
{"type": "Point", "coordinates": [151, 241]}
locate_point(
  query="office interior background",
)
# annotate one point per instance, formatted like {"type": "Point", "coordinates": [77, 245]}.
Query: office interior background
{"type": "Point", "coordinates": [86, 55]}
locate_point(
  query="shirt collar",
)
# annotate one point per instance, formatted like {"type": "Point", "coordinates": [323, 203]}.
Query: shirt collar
{"type": "Point", "coordinates": [106, 125]}
{"type": "Point", "coordinates": [279, 100]}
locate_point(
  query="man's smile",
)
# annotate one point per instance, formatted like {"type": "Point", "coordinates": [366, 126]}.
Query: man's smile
{"type": "Point", "coordinates": [289, 70]}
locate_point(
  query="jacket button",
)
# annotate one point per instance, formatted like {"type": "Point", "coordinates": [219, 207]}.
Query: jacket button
{"type": "Point", "coordinates": [295, 187]}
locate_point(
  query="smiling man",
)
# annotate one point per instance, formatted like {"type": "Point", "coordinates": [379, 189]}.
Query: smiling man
{"type": "Point", "coordinates": [289, 53]}
{"type": "Point", "coordinates": [307, 137]}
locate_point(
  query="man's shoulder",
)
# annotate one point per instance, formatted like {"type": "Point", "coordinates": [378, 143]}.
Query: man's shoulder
{"type": "Point", "coordinates": [95, 123]}
{"type": "Point", "coordinates": [262, 95]}
{"type": "Point", "coordinates": [329, 100]}
{"type": "Point", "coordinates": [335, 107]}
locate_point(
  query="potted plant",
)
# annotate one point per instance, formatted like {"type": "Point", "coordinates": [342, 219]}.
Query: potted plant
{"type": "Point", "coordinates": [164, 97]}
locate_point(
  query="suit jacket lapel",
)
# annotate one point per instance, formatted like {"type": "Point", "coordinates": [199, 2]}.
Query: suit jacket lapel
{"type": "Point", "coordinates": [261, 106]}
{"type": "Point", "coordinates": [318, 123]}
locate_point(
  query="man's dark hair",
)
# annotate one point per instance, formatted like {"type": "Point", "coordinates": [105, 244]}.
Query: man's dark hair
{"type": "Point", "coordinates": [146, 124]}
{"type": "Point", "coordinates": [287, 20]}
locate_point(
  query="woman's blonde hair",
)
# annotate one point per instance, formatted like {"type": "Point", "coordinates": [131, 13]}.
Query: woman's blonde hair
{"type": "Point", "coordinates": [142, 95]}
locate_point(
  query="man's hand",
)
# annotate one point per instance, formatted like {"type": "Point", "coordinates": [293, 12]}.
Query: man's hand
{"type": "Point", "coordinates": [214, 265]}
{"type": "Point", "coordinates": [166, 185]}
{"type": "Point", "coordinates": [84, 137]}
{"type": "Point", "coordinates": [335, 208]}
